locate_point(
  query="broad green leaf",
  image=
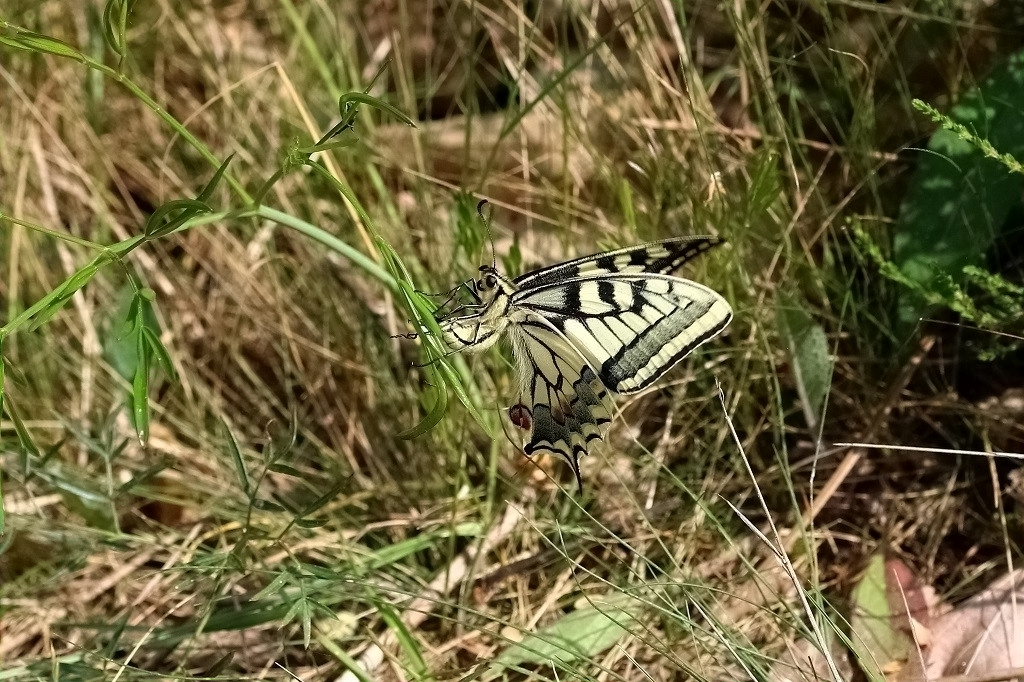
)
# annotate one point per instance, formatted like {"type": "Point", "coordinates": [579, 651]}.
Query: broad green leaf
{"type": "Point", "coordinates": [807, 346]}
{"type": "Point", "coordinates": [876, 643]}
{"type": "Point", "coordinates": [582, 634]}
{"type": "Point", "coordinates": [959, 198]}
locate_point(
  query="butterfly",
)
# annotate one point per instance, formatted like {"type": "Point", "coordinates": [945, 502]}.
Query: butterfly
{"type": "Point", "coordinates": [584, 330]}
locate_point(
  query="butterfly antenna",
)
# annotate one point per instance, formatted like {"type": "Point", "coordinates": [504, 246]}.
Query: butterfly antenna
{"type": "Point", "coordinates": [486, 219]}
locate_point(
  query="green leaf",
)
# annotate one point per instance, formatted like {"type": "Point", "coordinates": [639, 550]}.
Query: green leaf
{"type": "Point", "coordinates": [875, 641]}
{"type": "Point", "coordinates": [326, 497]}
{"type": "Point", "coordinates": [159, 352]}
{"type": "Point", "coordinates": [582, 634]}
{"type": "Point", "coordinates": [140, 386]}
{"type": "Point", "coordinates": [236, 457]}
{"type": "Point", "coordinates": [52, 303]}
{"type": "Point", "coordinates": [207, 192]}
{"type": "Point", "coordinates": [959, 197]}
{"type": "Point", "coordinates": [436, 413]}
{"type": "Point", "coordinates": [132, 349]}
{"type": "Point", "coordinates": [172, 215]}
{"type": "Point", "coordinates": [807, 346]}
{"type": "Point", "coordinates": [285, 469]}
{"type": "Point", "coordinates": [267, 505]}
{"type": "Point", "coordinates": [280, 581]}
{"type": "Point", "coordinates": [29, 450]}
{"type": "Point", "coordinates": [144, 476]}
{"type": "Point", "coordinates": [115, 24]}
{"type": "Point", "coordinates": [34, 42]}
{"type": "Point", "coordinates": [415, 663]}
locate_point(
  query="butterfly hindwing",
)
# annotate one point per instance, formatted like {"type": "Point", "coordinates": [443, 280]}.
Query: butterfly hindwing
{"type": "Point", "coordinates": [630, 328]}
{"type": "Point", "coordinates": [655, 257]}
{"type": "Point", "coordinates": [569, 404]}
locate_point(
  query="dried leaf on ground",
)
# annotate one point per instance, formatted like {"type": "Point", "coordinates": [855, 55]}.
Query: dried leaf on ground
{"type": "Point", "coordinates": [982, 636]}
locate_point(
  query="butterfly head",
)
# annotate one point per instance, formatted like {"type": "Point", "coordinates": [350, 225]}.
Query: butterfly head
{"type": "Point", "coordinates": [491, 284]}
{"type": "Point", "coordinates": [474, 316]}
{"type": "Point", "coordinates": [488, 280]}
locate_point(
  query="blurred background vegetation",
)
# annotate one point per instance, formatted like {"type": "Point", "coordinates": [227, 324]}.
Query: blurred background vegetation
{"type": "Point", "coordinates": [202, 462]}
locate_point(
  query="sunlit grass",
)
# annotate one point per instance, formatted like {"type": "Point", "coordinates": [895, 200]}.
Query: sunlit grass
{"type": "Point", "coordinates": [222, 458]}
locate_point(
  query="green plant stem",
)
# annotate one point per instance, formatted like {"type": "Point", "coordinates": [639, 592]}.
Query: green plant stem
{"type": "Point", "coordinates": [116, 252]}
{"type": "Point", "coordinates": [357, 257]}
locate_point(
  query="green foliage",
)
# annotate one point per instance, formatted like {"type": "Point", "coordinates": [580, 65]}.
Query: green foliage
{"type": "Point", "coordinates": [472, 231]}
{"type": "Point", "coordinates": [612, 130]}
{"type": "Point", "coordinates": [809, 354]}
{"type": "Point", "coordinates": [982, 298]}
{"type": "Point", "coordinates": [135, 350]}
{"type": "Point", "coordinates": [874, 639]}
{"type": "Point", "coordinates": [962, 191]}
{"type": "Point", "coordinates": [115, 25]}
{"type": "Point", "coordinates": [580, 635]}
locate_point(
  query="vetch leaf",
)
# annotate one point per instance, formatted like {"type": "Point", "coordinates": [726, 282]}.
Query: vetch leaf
{"type": "Point", "coordinates": [875, 641]}
{"type": "Point", "coordinates": [140, 387]}
{"type": "Point", "coordinates": [407, 640]}
{"type": "Point", "coordinates": [582, 634]}
{"type": "Point", "coordinates": [268, 506]}
{"type": "Point", "coordinates": [809, 354]}
{"type": "Point", "coordinates": [236, 457]}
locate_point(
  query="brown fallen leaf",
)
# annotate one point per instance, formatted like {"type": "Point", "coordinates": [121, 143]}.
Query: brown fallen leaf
{"type": "Point", "coordinates": [982, 637]}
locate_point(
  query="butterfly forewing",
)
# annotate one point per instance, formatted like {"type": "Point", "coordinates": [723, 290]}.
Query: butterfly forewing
{"type": "Point", "coordinates": [630, 328]}
{"type": "Point", "coordinates": [654, 257]}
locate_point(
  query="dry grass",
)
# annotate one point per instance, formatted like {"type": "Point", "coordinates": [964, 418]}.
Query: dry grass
{"type": "Point", "coordinates": [586, 125]}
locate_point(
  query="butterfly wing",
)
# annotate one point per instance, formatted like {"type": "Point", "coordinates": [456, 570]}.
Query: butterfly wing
{"type": "Point", "coordinates": [569, 404]}
{"type": "Point", "coordinates": [629, 328]}
{"type": "Point", "coordinates": [656, 257]}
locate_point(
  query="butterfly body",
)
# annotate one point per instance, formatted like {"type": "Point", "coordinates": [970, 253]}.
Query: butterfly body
{"type": "Point", "coordinates": [588, 328]}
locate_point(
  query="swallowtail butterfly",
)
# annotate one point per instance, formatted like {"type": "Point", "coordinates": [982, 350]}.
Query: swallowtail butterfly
{"type": "Point", "coordinates": [585, 329]}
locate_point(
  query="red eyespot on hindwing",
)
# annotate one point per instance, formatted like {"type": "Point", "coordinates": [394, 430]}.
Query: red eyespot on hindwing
{"type": "Point", "coordinates": [520, 416]}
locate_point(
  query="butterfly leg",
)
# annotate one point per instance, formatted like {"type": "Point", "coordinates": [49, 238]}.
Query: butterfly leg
{"type": "Point", "coordinates": [476, 305]}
